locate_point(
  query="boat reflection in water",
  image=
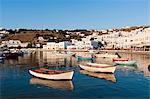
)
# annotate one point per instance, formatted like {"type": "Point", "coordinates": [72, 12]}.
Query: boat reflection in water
{"type": "Point", "coordinates": [126, 68]}
{"type": "Point", "coordinates": [65, 85]}
{"type": "Point", "coordinates": [109, 77]}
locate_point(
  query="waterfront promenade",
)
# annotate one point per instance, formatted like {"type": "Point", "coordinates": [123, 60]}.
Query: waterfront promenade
{"type": "Point", "coordinates": [109, 51]}
{"type": "Point", "coordinates": [127, 51]}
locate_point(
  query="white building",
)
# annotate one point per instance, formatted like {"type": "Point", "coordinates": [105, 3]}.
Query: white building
{"type": "Point", "coordinates": [4, 32]}
{"type": "Point", "coordinates": [1, 35]}
{"type": "Point", "coordinates": [56, 46]}
{"type": "Point", "coordinates": [13, 43]}
{"type": "Point", "coordinates": [122, 39]}
{"type": "Point", "coordinates": [85, 43]}
{"type": "Point", "coordinates": [40, 38]}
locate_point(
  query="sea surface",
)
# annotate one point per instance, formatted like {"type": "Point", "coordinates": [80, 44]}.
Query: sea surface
{"type": "Point", "coordinates": [128, 82]}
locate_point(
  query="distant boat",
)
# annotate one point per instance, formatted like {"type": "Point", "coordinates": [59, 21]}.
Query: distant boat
{"type": "Point", "coordinates": [52, 74]}
{"type": "Point", "coordinates": [98, 67]}
{"type": "Point", "coordinates": [106, 55]}
{"type": "Point", "coordinates": [125, 63]}
{"type": "Point", "coordinates": [1, 60]}
{"type": "Point", "coordinates": [83, 58]}
{"type": "Point", "coordinates": [10, 55]}
{"type": "Point", "coordinates": [20, 53]}
{"type": "Point", "coordinates": [65, 85]}
{"type": "Point", "coordinates": [120, 59]}
{"type": "Point", "coordinates": [2, 57]}
{"type": "Point", "coordinates": [109, 77]}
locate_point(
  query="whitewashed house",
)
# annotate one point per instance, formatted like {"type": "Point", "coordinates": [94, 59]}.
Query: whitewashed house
{"type": "Point", "coordinates": [4, 32]}
{"type": "Point", "coordinates": [14, 43]}
{"type": "Point", "coordinates": [127, 40]}
{"type": "Point", "coordinates": [56, 46]}
{"type": "Point", "coordinates": [1, 36]}
{"type": "Point", "coordinates": [85, 43]}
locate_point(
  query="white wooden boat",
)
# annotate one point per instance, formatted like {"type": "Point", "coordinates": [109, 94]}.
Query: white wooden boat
{"type": "Point", "coordinates": [98, 68]}
{"type": "Point", "coordinates": [52, 74]}
{"type": "Point", "coordinates": [106, 55]}
{"type": "Point", "coordinates": [65, 85]}
{"type": "Point", "coordinates": [109, 77]}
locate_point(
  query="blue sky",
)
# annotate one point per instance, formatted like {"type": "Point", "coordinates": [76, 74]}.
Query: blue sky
{"type": "Point", "coordinates": [73, 14]}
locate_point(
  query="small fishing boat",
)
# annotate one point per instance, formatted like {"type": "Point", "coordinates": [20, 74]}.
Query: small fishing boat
{"type": "Point", "coordinates": [120, 59]}
{"type": "Point", "coordinates": [52, 74]}
{"type": "Point", "coordinates": [106, 55]}
{"type": "Point", "coordinates": [83, 58]}
{"type": "Point", "coordinates": [20, 53]}
{"type": "Point", "coordinates": [109, 77]}
{"type": "Point", "coordinates": [10, 55]}
{"type": "Point", "coordinates": [98, 67]}
{"type": "Point", "coordinates": [65, 85]}
{"type": "Point", "coordinates": [1, 60]}
{"type": "Point", "coordinates": [2, 57]}
{"type": "Point", "coordinates": [127, 63]}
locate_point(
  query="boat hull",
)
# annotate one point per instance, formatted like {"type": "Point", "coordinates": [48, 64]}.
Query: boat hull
{"type": "Point", "coordinates": [10, 55]}
{"type": "Point", "coordinates": [61, 76]}
{"type": "Point", "coordinates": [110, 69]}
{"type": "Point", "coordinates": [83, 58]}
{"type": "Point", "coordinates": [120, 59]}
{"type": "Point", "coordinates": [128, 63]}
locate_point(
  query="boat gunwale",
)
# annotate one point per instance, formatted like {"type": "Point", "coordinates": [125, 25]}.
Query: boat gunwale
{"type": "Point", "coordinates": [48, 72]}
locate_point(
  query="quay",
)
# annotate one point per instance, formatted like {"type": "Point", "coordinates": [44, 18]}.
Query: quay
{"type": "Point", "coordinates": [127, 51]}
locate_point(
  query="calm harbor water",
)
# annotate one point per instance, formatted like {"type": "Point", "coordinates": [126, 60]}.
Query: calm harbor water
{"type": "Point", "coordinates": [128, 82]}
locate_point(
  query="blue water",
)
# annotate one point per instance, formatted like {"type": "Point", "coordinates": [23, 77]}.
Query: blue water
{"type": "Point", "coordinates": [15, 83]}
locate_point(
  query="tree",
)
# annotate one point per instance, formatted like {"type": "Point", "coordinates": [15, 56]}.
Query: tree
{"type": "Point", "coordinates": [11, 31]}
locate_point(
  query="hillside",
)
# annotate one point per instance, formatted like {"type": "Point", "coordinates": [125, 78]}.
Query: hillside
{"type": "Point", "coordinates": [29, 35]}
{"type": "Point", "coordinates": [25, 37]}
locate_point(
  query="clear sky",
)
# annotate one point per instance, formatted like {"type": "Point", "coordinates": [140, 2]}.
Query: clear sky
{"type": "Point", "coordinates": [74, 14]}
